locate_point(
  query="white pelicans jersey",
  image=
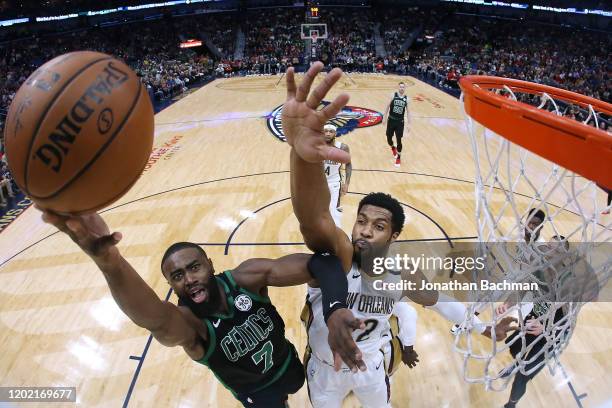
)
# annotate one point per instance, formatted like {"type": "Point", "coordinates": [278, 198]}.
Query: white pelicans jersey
{"type": "Point", "coordinates": [373, 306]}
{"type": "Point", "coordinates": [332, 168]}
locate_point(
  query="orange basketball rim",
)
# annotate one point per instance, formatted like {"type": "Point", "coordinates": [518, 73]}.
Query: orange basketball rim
{"type": "Point", "coordinates": [578, 147]}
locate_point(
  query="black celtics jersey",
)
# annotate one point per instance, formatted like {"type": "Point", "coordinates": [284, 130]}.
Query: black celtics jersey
{"type": "Point", "coordinates": [246, 349]}
{"type": "Point", "coordinates": [397, 109]}
{"type": "Point", "coordinates": [539, 309]}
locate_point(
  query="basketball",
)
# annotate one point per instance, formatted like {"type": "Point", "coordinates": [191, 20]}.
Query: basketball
{"type": "Point", "coordinates": [79, 132]}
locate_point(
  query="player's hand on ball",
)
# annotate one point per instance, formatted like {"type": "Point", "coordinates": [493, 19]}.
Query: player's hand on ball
{"type": "Point", "coordinates": [409, 356]}
{"type": "Point", "coordinates": [88, 231]}
{"type": "Point", "coordinates": [341, 325]}
{"type": "Point", "coordinates": [505, 325]}
{"type": "Point", "coordinates": [303, 123]}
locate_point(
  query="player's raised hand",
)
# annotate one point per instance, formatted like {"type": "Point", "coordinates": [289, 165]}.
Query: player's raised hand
{"type": "Point", "coordinates": [303, 123]}
{"type": "Point", "coordinates": [88, 231]}
{"type": "Point", "coordinates": [341, 324]}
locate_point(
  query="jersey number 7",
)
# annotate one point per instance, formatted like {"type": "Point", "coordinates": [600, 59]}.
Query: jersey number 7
{"type": "Point", "coordinates": [265, 354]}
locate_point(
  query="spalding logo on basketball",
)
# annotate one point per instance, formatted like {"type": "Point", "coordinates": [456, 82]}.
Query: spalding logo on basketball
{"type": "Point", "coordinates": [243, 303]}
{"type": "Point", "coordinates": [349, 119]}
{"type": "Point", "coordinates": [79, 132]}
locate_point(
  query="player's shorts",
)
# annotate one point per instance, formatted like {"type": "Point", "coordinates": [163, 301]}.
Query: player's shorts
{"type": "Point", "coordinates": [327, 388]}
{"type": "Point", "coordinates": [334, 191]}
{"type": "Point", "coordinates": [395, 127]}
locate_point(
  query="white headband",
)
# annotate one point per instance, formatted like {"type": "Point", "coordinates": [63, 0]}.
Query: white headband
{"type": "Point", "coordinates": [330, 127]}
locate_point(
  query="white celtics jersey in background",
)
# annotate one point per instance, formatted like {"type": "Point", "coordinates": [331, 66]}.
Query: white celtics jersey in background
{"type": "Point", "coordinates": [332, 169]}
{"type": "Point", "coordinates": [371, 305]}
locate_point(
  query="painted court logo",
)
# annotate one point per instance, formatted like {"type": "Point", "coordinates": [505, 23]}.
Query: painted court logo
{"type": "Point", "coordinates": [349, 119]}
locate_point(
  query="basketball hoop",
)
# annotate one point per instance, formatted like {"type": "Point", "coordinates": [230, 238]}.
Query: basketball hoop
{"type": "Point", "coordinates": [529, 156]}
{"type": "Point", "coordinates": [578, 147]}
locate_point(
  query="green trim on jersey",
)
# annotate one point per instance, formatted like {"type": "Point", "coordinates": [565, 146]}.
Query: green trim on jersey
{"type": "Point", "coordinates": [212, 343]}
{"type": "Point", "coordinates": [245, 372]}
{"type": "Point", "coordinates": [255, 296]}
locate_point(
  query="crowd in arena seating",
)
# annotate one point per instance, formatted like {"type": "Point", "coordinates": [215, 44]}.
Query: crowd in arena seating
{"type": "Point", "coordinates": [151, 49]}
{"type": "Point", "coordinates": [546, 54]}
{"type": "Point", "coordinates": [396, 27]}
{"type": "Point", "coordinates": [350, 43]}
{"type": "Point", "coordinates": [219, 28]}
{"type": "Point", "coordinates": [7, 186]}
{"type": "Point", "coordinates": [272, 40]}
{"type": "Point", "coordinates": [449, 46]}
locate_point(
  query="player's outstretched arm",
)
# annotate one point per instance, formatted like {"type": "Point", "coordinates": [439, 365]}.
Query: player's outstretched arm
{"type": "Point", "coordinates": [303, 128]}
{"type": "Point", "coordinates": [407, 322]}
{"type": "Point", "coordinates": [135, 298]}
{"type": "Point", "coordinates": [451, 309]}
{"type": "Point", "coordinates": [325, 270]}
{"type": "Point", "coordinates": [386, 114]}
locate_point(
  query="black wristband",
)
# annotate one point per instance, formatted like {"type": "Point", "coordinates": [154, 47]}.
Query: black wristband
{"type": "Point", "coordinates": [327, 270]}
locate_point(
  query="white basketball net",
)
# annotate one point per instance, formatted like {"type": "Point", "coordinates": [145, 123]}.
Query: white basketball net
{"type": "Point", "coordinates": [509, 182]}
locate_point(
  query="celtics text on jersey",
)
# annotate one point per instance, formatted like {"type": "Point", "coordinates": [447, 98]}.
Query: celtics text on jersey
{"type": "Point", "coordinates": [246, 348]}
{"type": "Point", "coordinates": [398, 106]}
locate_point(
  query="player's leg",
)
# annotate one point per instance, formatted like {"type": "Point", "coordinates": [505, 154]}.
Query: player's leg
{"type": "Point", "coordinates": [373, 387]}
{"type": "Point", "coordinates": [519, 387]}
{"type": "Point", "coordinates": [399, 132]}
{"type": "Point", "coordinates": [390, 129]}
{"type": "Point", "coordinates": [326, 387]}
{"type": "Point", "coordinates": [606, 211]}
{"type": "Point", "coordinates": [519, 384]}
{"type": "Point", "coordinates": [276, 395]}
{"type": "Point", "coordinates": [334, 203]}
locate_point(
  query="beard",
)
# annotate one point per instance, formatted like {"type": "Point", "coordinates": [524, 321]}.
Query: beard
{"type": "Point", "coordinates": [209, 306]}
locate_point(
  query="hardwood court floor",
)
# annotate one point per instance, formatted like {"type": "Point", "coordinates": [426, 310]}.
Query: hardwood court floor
{"type": "Point", "coordinates": [216, 166]}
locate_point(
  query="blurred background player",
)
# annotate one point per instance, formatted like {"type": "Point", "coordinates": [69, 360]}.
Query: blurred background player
{"type": "Point", "coordinates": [332, 169]}
{"type": "Point", "coordinates": [606, 211]}
{"type": "Point", "coordinates": [394, 116]}
{"type": "Point", "coordinates": [535, 219]}
{"type": "Point", "coordinates": [528, 252]}
{"type": "Point", "coordinates": [540, 317]}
